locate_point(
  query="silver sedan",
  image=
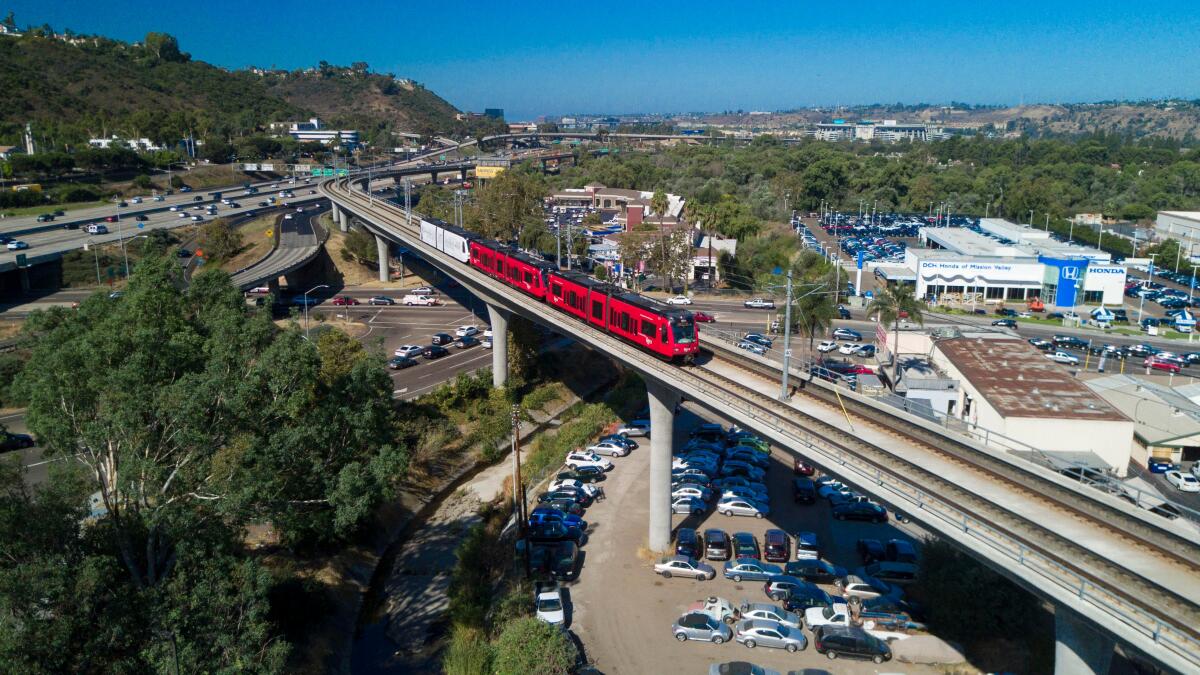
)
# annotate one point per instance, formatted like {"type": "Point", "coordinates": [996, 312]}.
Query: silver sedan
{"type": "Point", "coordinates": [755, 632]}
{"type": "Point", "coordinates": [700, 626]}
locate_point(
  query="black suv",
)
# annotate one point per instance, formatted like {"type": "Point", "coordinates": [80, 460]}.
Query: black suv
{"type": "Point", "coordinates": [852, 641]}
{"type": "Point", "coordinates": [1070, 342]}
{"type": "Point", "coordinates": [687, 542]}
{"type": "Point", "coordinates": [442, 339]}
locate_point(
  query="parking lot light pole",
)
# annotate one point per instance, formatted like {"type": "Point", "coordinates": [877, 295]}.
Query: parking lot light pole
{"type": "Point", "coordinates": [787, 340]}
{"type": "Point", "coordinates": [306, 336]}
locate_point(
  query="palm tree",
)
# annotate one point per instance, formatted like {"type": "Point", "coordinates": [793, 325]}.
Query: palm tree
{"type": "Point", "coordinates": [815, 314]}
{"type": "Point", "coordinates": [890, 304]}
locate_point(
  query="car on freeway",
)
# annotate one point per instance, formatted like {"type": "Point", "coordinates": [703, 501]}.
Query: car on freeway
{"type": "Point", "coordinates": [463, 331]}
{"type": "Point", "coordinates": [755, 632]}
{"type": "Point", "coordinates": [548, 603]}
{"type": "Point", "coordinates": [700, 626]}
{"type": "Point", "coordinates": [434, 352]}
{"type": "Point", "coordinates": [1155, 363]}
{"type": "Point", "coordinates": [1040, 344]}
{"type": "Point", "coordinates": [749, 569]}
{"type": "Point", "coordinates": [580, 458]}
{"type": "Point", "coordinates": [441, 339]}
{"type": "Point", "coordinates": [752, 347]}
{"type": "Point", "coordinates": [13, 441]}
{"type": "Point", "coordinates": [769, 612]}
{"type": "Point", "coordinates": [758, 338]}
{"type": "Point", "coordinates": [1005, 323]}
{"type": "Point", "coordinates": [688, 505]}
{"type": "Point", "coordinates": [344, 301]}
{"type": "Point", "coordinates": [16, 245]}
{"type": "Point", "coordinates": [688, 542]}
{"type": "Point", "coordinates": [717, 545]}
{"type": "Point", "coordinates": [197, 219]}
{"type": "Point", "coordinates": [381, 300]}
{"type": "Point", "coordinates": [703, 317]}
{"type": "Point", "coordinates": [759, 303]}
{"type": "Point", "coordinates": [777, 546]}
{"type": "Point", "coordinates": [860, 510]}
{"type": "Point", "coordinates": [466, 342]}
{"type": "Point", "coordinates": [847, 334]}
{"type": "Point", "coordinates": [1141, 350]}
{"type": "Point", "coordinates": [815, 570]}
{"type": "Point", "coordinates": [1063, 357]}
{"type": "Point", "coordinates": [683, 566]}
{"type": "Point", "coordinates": [679, 300]}
{"type": "Point", "coordinates": [827, 346]}
{"type": "Point", "coordinates": [424, 290]}
{"type": "Point", "coordinates": [635, 428]}
{"type": "Point", "coordinates": [45, 218]}
{"type": "Point", "coordinates": [1184, 482]}
{"type": "Point", "coordinates": [400, 362]}
{"type": "Point", "coordinates": [777, 587]}
{"type": "Point", "coordinates": [141, 217]}
{"type": "Point", "coordinates": [1069, 342]}
{"type": "Point", "coordinates": [850, 641]}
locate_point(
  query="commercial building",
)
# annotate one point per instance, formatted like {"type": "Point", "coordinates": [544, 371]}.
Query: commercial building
{"type": "Point", "coordinates": [628, 208]}
{"type": "Point", "coordinates": [1182, 226]}
{"type": "Point", "coordinates": [1166, 420]}
{"type": "Point", "coordinates": [888, 131]}
{"type": "Point", "coordinates": [313, 131]}
{"type": "Point", "coordinates": [1004, 262]}
{"type": "Point", "coordinates": [1034, 404]}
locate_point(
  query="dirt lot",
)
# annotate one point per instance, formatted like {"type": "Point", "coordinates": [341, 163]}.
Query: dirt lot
{"type": "Point", "coordinates": [622, 611]}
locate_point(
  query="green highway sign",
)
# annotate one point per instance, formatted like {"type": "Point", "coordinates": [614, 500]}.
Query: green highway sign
{"type": "Point", "coordinates": [341, 172]}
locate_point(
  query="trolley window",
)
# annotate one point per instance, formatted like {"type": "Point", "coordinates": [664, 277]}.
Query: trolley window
{"type": "Point", "coordinates": [598, 310]}
{"type": "Point", "coordinates": [556, 289]}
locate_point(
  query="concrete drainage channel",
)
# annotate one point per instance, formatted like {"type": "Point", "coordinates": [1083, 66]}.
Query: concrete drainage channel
{"type": "Point", "coordinates": [411, 586]}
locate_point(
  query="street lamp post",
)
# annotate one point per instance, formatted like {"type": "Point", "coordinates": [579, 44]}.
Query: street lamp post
{"type": "Point", "coordinates": [96, 255]}
{"type": "Point", "coordinates": [306, 335]}
{"type": "Point", "coordinates": [1142, 297]}
{"type": "Point", "coordinates": [1031, 217]}
{"type": "Point", "coordinates": [787, 340]}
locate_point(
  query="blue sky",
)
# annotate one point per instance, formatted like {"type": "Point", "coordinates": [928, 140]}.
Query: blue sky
{"type": "Point", "coordinates": [535, 58]}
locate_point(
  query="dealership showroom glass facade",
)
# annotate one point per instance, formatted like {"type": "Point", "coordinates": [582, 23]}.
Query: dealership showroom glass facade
{"type": "Point", "coordinates": [943, 276]}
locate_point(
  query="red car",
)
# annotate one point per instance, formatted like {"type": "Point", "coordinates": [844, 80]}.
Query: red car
{"type": "Point", "coordinates": [110, 219]}
{"type": "Point", "coordinates": [1156, 364]}
{"type": "Point", "coordinates": [858, 369]}
{"type": "Point", "coordinates": [344, 300]}
{"type": "Point", "coordinates": [701, 317]}
{"type": "Point", "coordinates": [803, 468]}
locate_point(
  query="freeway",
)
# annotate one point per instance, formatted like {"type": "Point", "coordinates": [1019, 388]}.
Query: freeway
{"type": "Point", "coordinates": [1123, 570]}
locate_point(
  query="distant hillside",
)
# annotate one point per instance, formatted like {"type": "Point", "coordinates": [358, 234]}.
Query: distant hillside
{"type": "Point", "coordinates": [73, 88]}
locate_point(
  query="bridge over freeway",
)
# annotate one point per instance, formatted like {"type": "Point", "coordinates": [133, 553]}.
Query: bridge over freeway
{"type": "Point", "coordinates": [1112, 571]}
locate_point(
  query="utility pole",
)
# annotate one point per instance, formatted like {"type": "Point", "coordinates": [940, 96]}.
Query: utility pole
{"type": "Point", "coordinates": [408, 199]}
{"type": "Point", "coordinates": [518, 489]}
{"type": "Point", "coordinates": [787, 340]}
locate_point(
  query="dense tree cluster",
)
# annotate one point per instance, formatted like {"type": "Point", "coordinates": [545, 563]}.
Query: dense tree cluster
{"type": "Point", "coordinates": [190, 418]}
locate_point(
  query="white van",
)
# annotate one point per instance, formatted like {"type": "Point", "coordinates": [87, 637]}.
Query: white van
{"type": "Point", "coordinates": [427, 300]}
{"type": "Point", "coordinates": [97, 229]}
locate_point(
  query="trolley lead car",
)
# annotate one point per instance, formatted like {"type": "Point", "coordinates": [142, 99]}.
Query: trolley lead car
{"type": "Point", "coordinates": [656, 327]}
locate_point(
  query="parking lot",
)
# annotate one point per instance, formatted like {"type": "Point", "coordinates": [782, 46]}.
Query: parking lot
{"type": "Point", "coordinates": [623, 612]}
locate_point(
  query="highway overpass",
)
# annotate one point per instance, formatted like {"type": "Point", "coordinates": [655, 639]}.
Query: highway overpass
{"type": "Point", "coordinates": [1112, 571]}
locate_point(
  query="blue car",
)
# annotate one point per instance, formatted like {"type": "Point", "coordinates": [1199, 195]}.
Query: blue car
{"type": "Point", "coordinates": [542, 515]}
{"type": "Point", "coordinates": [1157, 465]}
{"type": "Point", "coordinates": [749, 569]}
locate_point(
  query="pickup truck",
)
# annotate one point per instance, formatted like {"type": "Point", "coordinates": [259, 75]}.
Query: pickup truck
{"type": "Point", "coordinates": [1063, 357]}
{"type": "Point", "coordinates": [885, 627]}
{"type": "Point", "coordinates": [425, 300]}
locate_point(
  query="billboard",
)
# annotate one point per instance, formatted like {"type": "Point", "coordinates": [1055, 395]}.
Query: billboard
{"type": "Point", "coordinates": [488, 171]}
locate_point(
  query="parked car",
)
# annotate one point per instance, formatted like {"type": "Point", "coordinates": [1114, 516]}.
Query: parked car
{"type": "Point", "coordinates": [738, 506]}
{"type": "Point", "coordinates": [755, 632]}
{"type": "Point", "coordinates": [679, 300]}
{"type": "Point", "coordinates": [1155, 363]}
{"type": "Point", "coordinates": [682, 566]}
{"type": "Point", "coordinates": [717, 545]}
{"type": "Point", "coordinates": [849, 641]}
{"type": "Point", "coordinates": [12, 441]}
{"type": "Point", "coordinates": [815, 570]}
{"type": "Point", "coordinates": [803, 491]}
{"type": "Point", "coordinates": [864, 587]}
{"type": "Point", "coordinates": [808, 545]}
{"type": "Point", "coordinates": [463, 331]}
{"type": "Point", "coordinates": [779, 586]}
{"type": "Point", "coordinates": [583, 474]}
{"type": "Point", "coordinates": [892, 573]}
{"type": "Point", "coordinates": [1159, 465]}
{"type": "Point", "coordinates": [1184, 482]}
{"type": "Point", "coordinates": [827, 346]}
{"type": "Point", "coordinates": [718, 608]}
{"type": "Point", "coordinates": [688, 505]}
{"type": "Point", "coordinates": [749, 569]}
{"type": "Point", "coordinates": [434, 352]}
{"type": "Point", "coordinates": [635, 428]}
{"type": "Point", "coordinates": [777, 546]}
{"type": "Point", "coordinates": [548, 604]}
{"type": "Point", "coordinates": [689, 543]}
{"type": "Point", "coordinates": [700, 626]}
{"type": "Point", "coordinates": [899, 550]}
{"type": "Point", "coordinates": [860, 510]}
{"type": "Point", "coordinates": [580, 458]}
{"type": "Point", "coordinates": [800, 600]}
{"type": "Point", "coordinates": [847, 334]}
{"type": "Point", "coordinates": [409, 350]}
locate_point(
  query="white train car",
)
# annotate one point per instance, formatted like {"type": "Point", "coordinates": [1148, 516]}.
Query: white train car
{"type": "Point", "coordinates": [448, 239]}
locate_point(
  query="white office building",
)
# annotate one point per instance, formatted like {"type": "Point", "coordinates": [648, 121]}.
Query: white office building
{"type": "Point", "coordinates": [314, 131]}
{"type": "Point", "coordinates": [1182, 226]}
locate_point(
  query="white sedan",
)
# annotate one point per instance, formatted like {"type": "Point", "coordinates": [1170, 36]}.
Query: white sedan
{"type": "Point", "coordinates": [580, 458]}
{"type": "Point", "coordinates": [693, 491]}
{"type": "Point", "coordinates": [1183, 482]}
{"type": "Point", "coordinates": [609, 448]}
{"type": "Point", "coordinates": [464, 331]}
{"type": "Point", "coordinates": [849, 349]}
{"type": "Point", "coordinates": [684, 566]}
{"type": "Point", "coordinates": [679, 300]}
{"type": "Point", "coordinates": [590, 489]}
{"type": "Point", "coordinates": [738, 506]}
{"type": "Point", "coordinates": [827, 346]}
{"type": "Point", "coordinates": [550, 605]}
{"type": "Point", "coordinates": [409, 350]}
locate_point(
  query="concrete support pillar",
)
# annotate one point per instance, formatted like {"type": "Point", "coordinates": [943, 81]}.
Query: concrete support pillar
{"type": "Point", "coordinates": [336, 212]}
{"type": "Point", "coordinates": [381, 250]}
{"type": "Point", "coordinates": [662, 435]}
{"type": "Point", "coordinates": [344, 221]}
{"type": "Point", "coordinates": [1079, 649]}
{"type": "Point", "coordinates": [24, 279]}
{"type": "Point", "coordinates": [273, 286]}
{"type": "Point", "coordinates": [499, 320]}
{"type": "Point", "coordinates": [462, 174]}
